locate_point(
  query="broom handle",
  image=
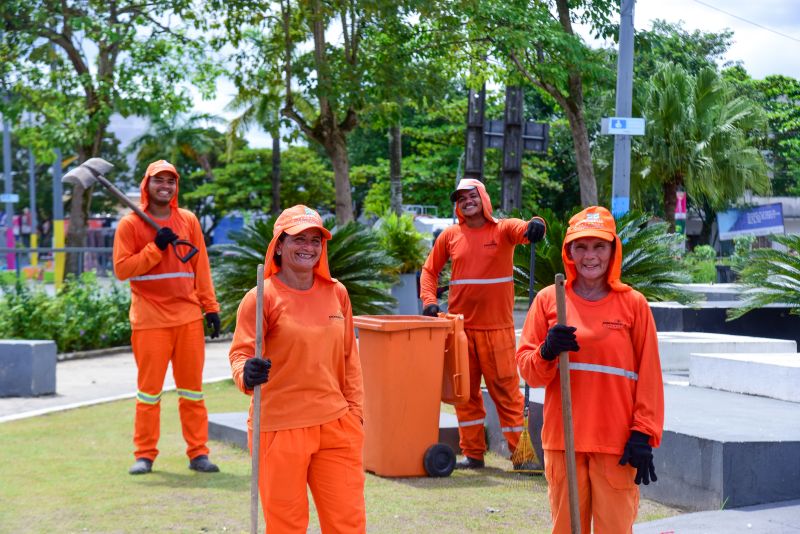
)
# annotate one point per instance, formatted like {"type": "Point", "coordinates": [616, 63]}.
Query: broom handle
{"type": "Point", "coordinates": [531, 295]}
{"type": "Point", "coordinates": [566, 411]}
{"type": "Point", "coordinates": [254, 459]}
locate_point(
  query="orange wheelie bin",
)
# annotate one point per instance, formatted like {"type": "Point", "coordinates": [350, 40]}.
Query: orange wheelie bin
{"type": "Point", "coordinates": [405, 379]}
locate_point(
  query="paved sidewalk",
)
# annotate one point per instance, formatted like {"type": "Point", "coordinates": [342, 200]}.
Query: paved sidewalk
{"type": "Point", "coordinates": [94, 380]}
{"type": "Point", "coordinates": [773, 518]}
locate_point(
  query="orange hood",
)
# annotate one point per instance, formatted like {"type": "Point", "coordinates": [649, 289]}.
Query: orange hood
{"type": "Point", "coordinates": [153, 169]}
{"type": "Point", "coordinates": [595, 221]}
{"type": "Point", "coordinates": [293, 221]}
{"type": "Point", "coordinates": [471, 183]}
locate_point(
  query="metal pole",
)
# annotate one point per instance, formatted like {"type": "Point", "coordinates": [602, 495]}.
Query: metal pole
{"type": "Point", "coordinates": [512, 150]}
{"type": "Point", "coordinates": [8, 190]}
{"type": "Point", "coordinates": [473, 162]}
{"type": "Point", "coordinates": [58, 221]}
{"type": "Point", "coordinates": [621, 183]}
{"type": "Point", "coordinates": [34, 237]}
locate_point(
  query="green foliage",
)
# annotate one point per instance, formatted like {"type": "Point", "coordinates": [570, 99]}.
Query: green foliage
{"type": "Point", "coordinates": [650, 255]}
{"type": "Point", "coordinates": [82, 315]}
{"type": "Point", "coordinates": [355, 258]}
{"type": "Point", "coordinates": [771, 277]}
{"type": "Point", "coordinates": [701, 263]}
{"type": "Point", "coordinates": [742, 246]}
{"type": "Point", "coordinates": [400, 240]}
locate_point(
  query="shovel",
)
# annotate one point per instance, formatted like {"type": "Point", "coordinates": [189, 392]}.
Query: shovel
{"type": "Point", "coordinates": [92, 170]}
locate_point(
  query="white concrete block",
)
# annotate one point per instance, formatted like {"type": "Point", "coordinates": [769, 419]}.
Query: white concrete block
{"type": "Point", "coordinates": [768, 375]}
{"type": "Point", "coordinates": [675, 347]}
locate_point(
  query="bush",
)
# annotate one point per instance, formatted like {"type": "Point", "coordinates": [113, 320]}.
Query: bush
{"type": "Point", "coordinates": [701, 263]}
{"type": "Point", "coordinates": [742, 246]}
{"type": "Point", "coordinates": [81, 316]}
{"type": "Point", "coordinates": [402, 241]}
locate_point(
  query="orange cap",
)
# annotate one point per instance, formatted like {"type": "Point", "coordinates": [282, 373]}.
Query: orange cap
{"type": "Point", "coordinates": [293, 221]}
{"type": "Point", "coordinates": [161, 166]}
{"type": "Point", "coordinates": [594, 221]}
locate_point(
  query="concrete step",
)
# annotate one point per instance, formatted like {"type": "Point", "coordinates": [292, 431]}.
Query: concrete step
{"type": "Point", "coordinates": [719, 449]}
{"type": "Point", "coordinates": [231, 427]}
{"type": "Point", "coordinates": [774, 375]}
{"type": "Point", "coordinates": [675, 347]}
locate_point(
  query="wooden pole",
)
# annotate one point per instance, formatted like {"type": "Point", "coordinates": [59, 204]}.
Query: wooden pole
{"type": "Point", "coordinates": [566, 412]}
{"type": "Point", "coordinates": [257, 403]}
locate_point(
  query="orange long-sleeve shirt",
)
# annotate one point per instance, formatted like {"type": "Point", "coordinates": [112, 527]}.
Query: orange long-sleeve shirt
{"type": "Point", "coordinates": [482, 279]}
{"type": "Point", "coordinates": [164, 291]}
{"type": "Point", "coordinates": [615, 376]}
{"type": "Point", "coordinates": [316, 371]}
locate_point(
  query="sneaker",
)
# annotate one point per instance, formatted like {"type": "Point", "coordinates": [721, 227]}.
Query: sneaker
{"type": "Point", "coordinates": [203, 464]}
{"type": "Point", "coordinates": [470, 463]}
{"type": "Point", "coordinates": [141, 466]}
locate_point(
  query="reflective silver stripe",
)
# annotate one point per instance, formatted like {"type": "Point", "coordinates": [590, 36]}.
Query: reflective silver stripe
{"type": "Point", "coordinates": [188, 394]}
{"type": "Point", "coordinates": [471, 423]}
{"type": "Point", "coordinates": [607, 369]}
{"type": "Point", "coordinates": [512, 429]}
{"type": "Point", "coordinates": [143, 397]}
{"type": "Point", "coordinates": [481, 281]}
{"type": "Point", "coordinates": [161, 276]}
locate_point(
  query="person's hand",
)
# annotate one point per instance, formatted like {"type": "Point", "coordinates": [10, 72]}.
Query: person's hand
{"type": "Point", "coordinates": [256, 371]}
{"type": "Point", "coordinates": [559, 338]}
{"type": "Point", "coordinates": [431, 310]}
{"type": "Point", "coordinates": [212, 320]}
{"type": "Point", "coordinates": [164, 237]}
{"type": "Point", "coordinates": [639, 454]}
{"type": "Point", "coordinates": [535, 231]}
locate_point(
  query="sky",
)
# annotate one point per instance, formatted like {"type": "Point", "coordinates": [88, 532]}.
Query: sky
{"type": "Point", "coordinates": [757, 44]}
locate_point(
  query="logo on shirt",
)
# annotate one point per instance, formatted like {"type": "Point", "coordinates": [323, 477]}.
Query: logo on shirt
{"type": "Point", "coordinates": [336, 317]}
{"type": "Point", "coordinates": [616, 324]}
{"type": "Point", "coordinates": [490, 244]}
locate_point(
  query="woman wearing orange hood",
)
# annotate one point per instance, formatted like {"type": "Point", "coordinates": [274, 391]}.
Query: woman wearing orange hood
{"type": "Point", "coordinates": [615, 375]}
{"type": "Point", "coordinates": [311, 407]}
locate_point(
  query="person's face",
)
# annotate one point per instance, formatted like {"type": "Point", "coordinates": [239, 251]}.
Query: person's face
{"type": "Point", "coordinates": [591, 256]}
{"type": "Point", "coordinates": [161, 188]}
{"type": "Point", "coordinates": [469, 202]}
{"type": "Point", "coordinates": [299, 253]}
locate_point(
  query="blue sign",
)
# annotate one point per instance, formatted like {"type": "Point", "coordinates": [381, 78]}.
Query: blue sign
{"type": "Point", "coordinates": [226, 225]}
{"type": "Point", "coordinates": [755, 221]}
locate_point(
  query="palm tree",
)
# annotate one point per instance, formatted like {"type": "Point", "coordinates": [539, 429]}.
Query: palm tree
{"type": "Point", "coordinates": [770, 277]}
{"type": "Point", "coordinates": [700, 138]}
{"type": "Point", "coordinates": [355, 258]}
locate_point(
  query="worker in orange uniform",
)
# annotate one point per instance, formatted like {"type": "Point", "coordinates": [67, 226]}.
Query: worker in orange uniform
{"type": "Point", "coordinates": [615, 376]}
{"type": "Point", "coordinates": [168, 299]}
{"type": "Point", "coordinates": [482, 289]}
{"type": "Point", "coordinates": [312, 405]}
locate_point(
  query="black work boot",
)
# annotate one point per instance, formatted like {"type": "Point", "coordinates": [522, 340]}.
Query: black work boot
{"type": "Point", "coordinates": [141, 466]}
{"type": "Point", "coordinates": [470, 463]}
{"type": "Point", "coordinates": [203, 464]}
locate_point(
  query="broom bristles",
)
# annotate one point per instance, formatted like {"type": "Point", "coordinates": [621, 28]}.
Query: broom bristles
{"type": "Point", "coordinates": [524, 458]}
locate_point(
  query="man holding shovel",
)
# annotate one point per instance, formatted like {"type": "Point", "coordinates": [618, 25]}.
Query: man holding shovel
{"type": "Point", "coordinates": [482, 289]}
{"type": "Point", "coordinates": [617, 394]}
{"type": "Point", "coordinates": [168, 299]}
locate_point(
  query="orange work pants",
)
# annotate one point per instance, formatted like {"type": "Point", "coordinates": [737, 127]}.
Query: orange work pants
{"type": "Point", "coordinates": [608, 497]}
{"type": "Point", "coordinates": [153, 349]}
{"type": "Point", "coordinates": [328, 458]}
{"type": "Point", "coordinates": [491, 355]}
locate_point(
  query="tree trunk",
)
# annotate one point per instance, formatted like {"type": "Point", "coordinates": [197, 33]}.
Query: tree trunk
{"type": "Point", "coordinates": [275, 207]}
{"type": "Point", "coordinates": [78, 220]}
{"type": "Point", "coordinates": [336, 149]}
{"type": "Point", "coordinates": [395, 167]}
{"type": "Point", "coordinates": [669, 189]}
{"type": "Point", "coordinates": [583, 154]}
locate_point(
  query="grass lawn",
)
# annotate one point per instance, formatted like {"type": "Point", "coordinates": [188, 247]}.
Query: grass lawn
{"type": "Point", "coordinates": [67, 472]}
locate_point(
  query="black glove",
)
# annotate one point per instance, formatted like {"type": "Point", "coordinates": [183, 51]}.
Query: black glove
{"type": "Point", "coordinates": [256, 371]}
{"type": "Point", "coordinates": [639, 454]}
{"type": "Point", "coordinates": [535, 231]}
{"type": "Point", "coordinates": [559, 338]}
{"type": "Point", "coordinates": [212, 320]}
{"type": "Point", "coordinates": [164, 237]}
{"type": "Point", "coordinates": [431, 310]}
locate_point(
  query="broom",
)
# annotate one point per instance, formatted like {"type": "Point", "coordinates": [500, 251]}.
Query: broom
{"type": "Point", "coordinates": [524, 459]}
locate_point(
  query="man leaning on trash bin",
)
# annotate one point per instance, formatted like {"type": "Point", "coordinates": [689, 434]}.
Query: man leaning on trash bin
{"type": "Point", "coordinates": [482, 289]}
{"type": "Point", "coordinates": [168, 298]}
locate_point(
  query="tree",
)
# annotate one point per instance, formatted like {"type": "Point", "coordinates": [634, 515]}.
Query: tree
{"type": "Point", "coordinates": [75, 63]}
{"type": "Point", "coordinates": [700, 138]}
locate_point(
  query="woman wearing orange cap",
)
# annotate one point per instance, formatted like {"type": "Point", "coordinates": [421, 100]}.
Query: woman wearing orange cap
{"type": "Point", "coordinates": [311, 406]}
{"type": "Point", "coordinates": [615, 375]}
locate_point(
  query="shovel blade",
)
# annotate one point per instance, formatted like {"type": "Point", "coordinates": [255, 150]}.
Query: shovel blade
{"type": "Point", "coordinates": [86, 173]}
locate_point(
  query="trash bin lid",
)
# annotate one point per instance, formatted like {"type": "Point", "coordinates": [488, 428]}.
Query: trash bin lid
{"type": "Point", "coordinates": [393, 323]}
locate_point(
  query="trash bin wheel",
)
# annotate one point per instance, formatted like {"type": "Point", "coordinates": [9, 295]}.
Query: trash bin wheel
{"type": "Point", "coordinates": [439, 460]}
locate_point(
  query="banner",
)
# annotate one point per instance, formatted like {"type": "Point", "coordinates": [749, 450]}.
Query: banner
{"type": "Point", "coordinates": [680, 212]}
{"type": "Point", "coordinates": [755, 221]}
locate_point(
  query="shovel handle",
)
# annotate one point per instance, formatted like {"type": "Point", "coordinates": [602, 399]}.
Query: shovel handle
{"type": "Point", "coordinates": [566, 413]}
{"type": "Point", "coordinates": [255, 455]}
{"type": "Point", "coordinates": [184, 243]}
